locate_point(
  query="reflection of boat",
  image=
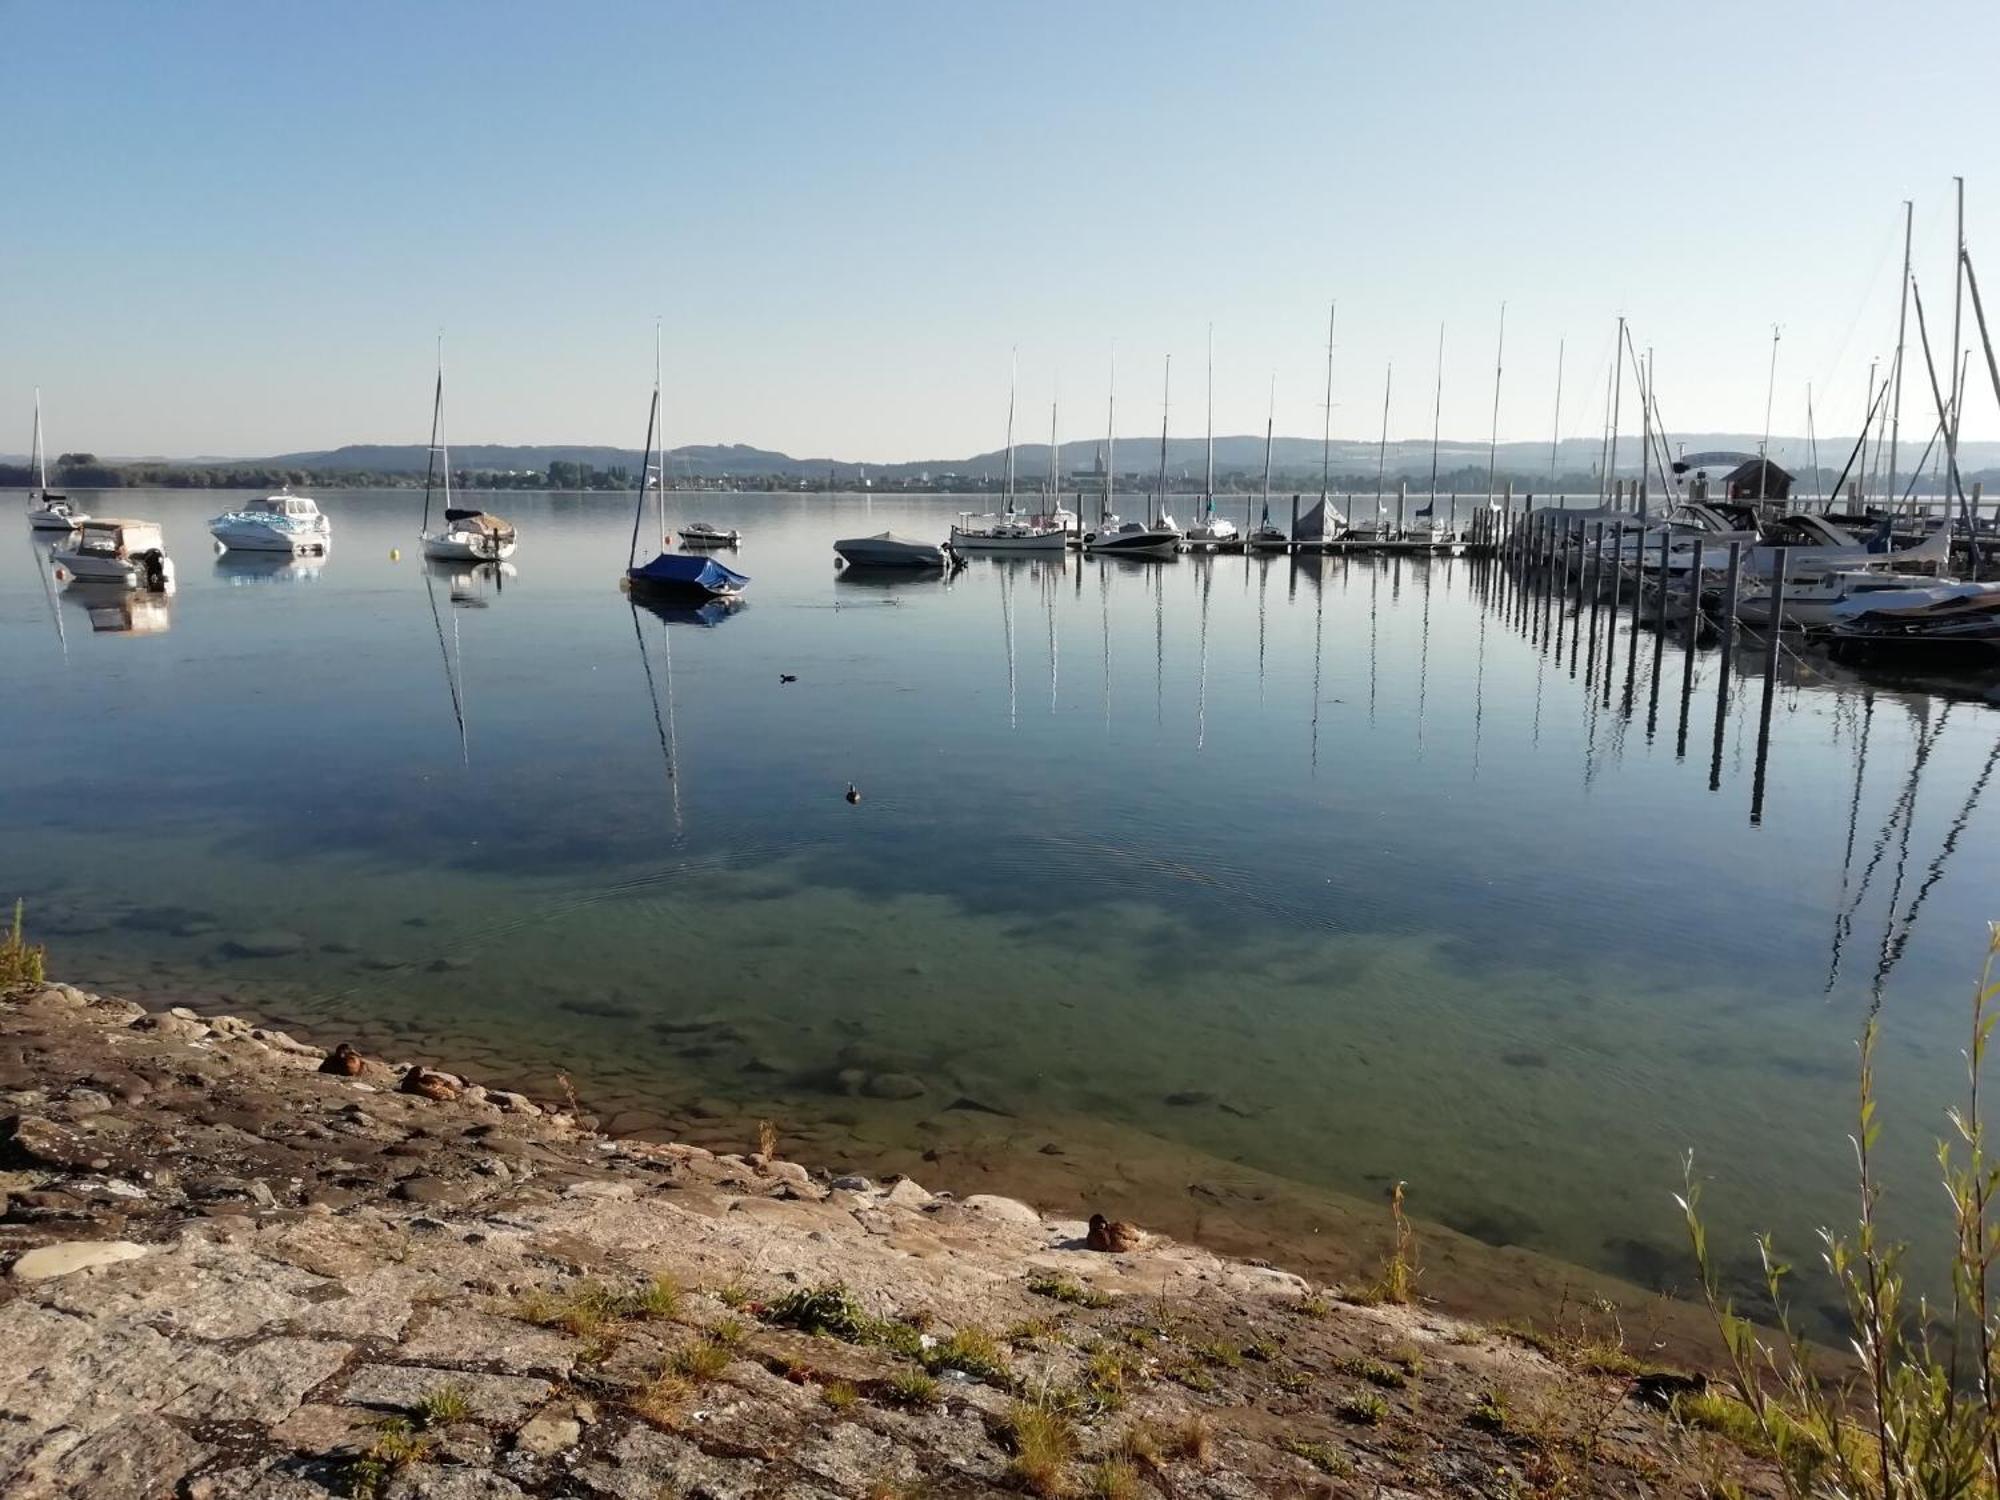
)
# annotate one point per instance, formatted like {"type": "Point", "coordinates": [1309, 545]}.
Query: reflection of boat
{"type": "Point", "coordinates": [707, 615]}
{"type": "Point", "coordinates": [131, 554]}
{"type": "Point", "coordinates": [887, 550]}
{"type": "Point", "coordinates": [469, 584]}
{"type": "Point", "coordinates": [115, 609]}
{"type": "Point", "coordinates": [670, 575]}
{"type": "Point", "coordinates": [467, 535]}
{"type": "Point", "coordinates": [277, 523]}
{"type": "Point", "coordinates": [47, 511]}
{"type": "Point", "coordinates": [701, 534]}
{"type": "Point", "coordinates": [268, 567]}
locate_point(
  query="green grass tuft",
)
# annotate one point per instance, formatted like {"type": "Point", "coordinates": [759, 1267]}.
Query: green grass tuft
{"type": "Point", "coordinates": [911, 1388]}
{"type": "Point", "coordinates": [442, 1405]}
{"type": "Point", "coordinates": [22, 963]}
{"type": "Point", "coordinates": [1322, 1456]}
{"type": "Point", "coordinates": [1062, 1289]}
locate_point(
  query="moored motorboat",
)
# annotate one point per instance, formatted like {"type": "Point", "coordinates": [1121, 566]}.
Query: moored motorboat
{"type": "Point", "coordinates": [283, 522]}
{"type": "Point", "coordinates": [132, 554]}
{"type": "Point", "coordinates": [1132, 539]}
{"type": "Point", "coordinates": [702, 534]}
{"type": "Point", "coordinates": [885, 549]}
{"type": "Point", "coordinates": [1811, 598]}
{"type": "Point", "coordinates": [1936, 619]}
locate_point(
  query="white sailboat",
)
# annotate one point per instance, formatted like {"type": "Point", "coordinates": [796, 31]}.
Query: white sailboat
{"type": "Point", "coordinates": [1266, 537]}
{"type": "Point", "coordinates": [1007, 531]}
{"type": "Point", "coordinates": [1148, 538]}
{"type": "Point", "coordinates": [48, 511]}
{"type": "Point", "coordinates": [1213, 532]}
{"type": "Point", "coordinates": [467, 535]}
{"type": "Point", "coordinates": [1323, 526]}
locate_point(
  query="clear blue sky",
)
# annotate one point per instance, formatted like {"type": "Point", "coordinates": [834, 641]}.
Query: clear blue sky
{"type": "Point", "coordinates": [236, 228]}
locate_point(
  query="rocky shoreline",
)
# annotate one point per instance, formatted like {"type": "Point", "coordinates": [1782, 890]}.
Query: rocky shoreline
{"type": "Point", "coordinates": [240, 1267]}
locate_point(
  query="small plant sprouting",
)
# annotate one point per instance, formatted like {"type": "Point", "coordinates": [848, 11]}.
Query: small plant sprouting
{"type": "Point", "coordinates": [1314, 1305]}
{"type": "Point", "coordinates": [442, 1405]}
{"type": "Point", "coordinates": [911, 1388]}
{"type": "Point", "coordinates": [1044, 1442]}
{"type": "Point", "coordinates": [657, 1300]}
{"type": "Point", "coordinates": [1112, 1479]}
{"type": "Point", "coordinates": [735, 1296]}
{"type": "Point", "coordinates": [829, 1308]}
{"type": "Point", "coordinates": [973, 1351]}
{"type": "Point", "coordinates": [1365, 1407]}
{"type": "Point", "coordinates": [1375, 1372]}
{"type": "Point", "coordinates": [700, 1362]}
{"type": "Point", "coordinates": [840, 1394]}
{"type": "Point", "coordinates": [728, 1332]}
{"type": "Point", "coordinates": [1191, 1439]}
{"type": "Point", "coordinates": [1322, 1456]}
{"type": "Point", "coordinates": [21, 963]}
{"type": "Point", "coordinates": [1063, 1289]}
{"type": "Point", "coordinates": [1400, 1273]}
{"type": "Point", "coordinates": [1228, 1356]}
{"type": "Point", "coordinates": [397, 1442]}
{"type": "Point", "coordinates": [1490, 1412]}
{"type": "Point", "coordinates": [767, 1138]}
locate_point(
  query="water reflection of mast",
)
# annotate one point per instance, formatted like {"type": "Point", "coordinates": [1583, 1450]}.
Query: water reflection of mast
{"type": "Point", "coordinates": [1905, 803]}
{"type": "Point", "coordinates": [452, 678]}
{"type": "Point", "coordinates": [1104, 601]}
{"type": "Point", "coordinates": [1892, 947]}
{"type": "Point", "coordinates": [1007, 625]}
{"type": "Point", "coordinates": [1263, 590]}
{"type": "Point", "coordinates": [1479, 686]}
{"type": "Point", "coordinates": [664, 727]}
{"type": "Point", "coordinates": [1201, 680]}
{"type": "Point", "coordinates": [1319, 641]}
{"type": "Point", "coordinates": [49, 593]}
{"type": "Point", "coordinates": [1424, 656]}
{"type": "Point", "coordinates": [1159, 644]}
{"type": "Point", "coordinates": [1050, 583]}
{"type": "Point", "coordinates": [1374, 616]}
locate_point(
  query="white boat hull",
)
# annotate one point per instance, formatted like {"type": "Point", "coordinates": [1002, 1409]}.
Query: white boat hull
{"type": "Point", "coordinates": [457, 546]}
{"type": "Point", "coordinates": [1041, 541]}
{"type": "Point", "coordinates": [124, 572]}
{"type": "Point", "coordinates": [250, 537]}
{"type": "Point", "coordinates": [49, 520]}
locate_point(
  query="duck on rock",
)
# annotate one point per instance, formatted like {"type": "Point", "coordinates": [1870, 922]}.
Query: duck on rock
{"type": "Point", "coordinates": [1113, 1236]}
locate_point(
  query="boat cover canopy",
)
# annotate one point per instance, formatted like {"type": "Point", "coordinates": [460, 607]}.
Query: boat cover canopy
{"type": "Point", "coordinates": [1312, 525]}
{"type": "Point", "coordinates": [680, 572]}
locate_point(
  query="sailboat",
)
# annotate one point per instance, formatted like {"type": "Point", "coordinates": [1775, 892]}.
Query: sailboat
{"type": "Point", "coordinates": [1430, 533]}
{"type": "Point", "coordinates": [467, 535]}
{"type": "Point", "coordinates": [1007, 531]}
{"type": "Point", "coordinates": [1212, 533]}
{"type": "Point", "coordinates": [671, 575]}
{"type": "Point", "coordinates": [1323, 525]}
{"type": "Point", "coordinates": [48, 511]}
{"type": "Point", "coordinates": [1148, 538]}
{"type": "Point", "coordinates": [1267, 537]}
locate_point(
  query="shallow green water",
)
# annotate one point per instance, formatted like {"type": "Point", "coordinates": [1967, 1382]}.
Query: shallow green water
{"type": "Point", "coordinates": [1325, 868]}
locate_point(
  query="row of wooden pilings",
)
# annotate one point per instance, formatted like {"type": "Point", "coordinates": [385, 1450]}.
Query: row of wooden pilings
{"type": "Point", "coordinates": [1609, 572]}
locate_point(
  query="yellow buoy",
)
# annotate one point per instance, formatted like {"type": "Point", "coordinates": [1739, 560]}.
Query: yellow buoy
{"type": "Point", "coordinates": [395, 554]}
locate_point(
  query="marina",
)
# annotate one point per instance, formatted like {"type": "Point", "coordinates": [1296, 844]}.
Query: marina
{"type": "Point", "coordinates": [1353, 829]}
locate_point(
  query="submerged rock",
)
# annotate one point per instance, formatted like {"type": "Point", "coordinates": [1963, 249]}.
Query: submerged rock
{"type": "Point", "coordinates": [266, 942]}
{"type": "Point", "coordinates": [893, 1086]}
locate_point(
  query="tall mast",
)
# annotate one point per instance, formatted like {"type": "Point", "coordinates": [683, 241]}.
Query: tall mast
{"type": "Point", "coordinates": [1770, 389]}
{"type": "Point", "coordinates": [1896, 370]}
{"type": "Point", "coordinates": [1958, 296]}
{"type": "Point", "coordinates": [1555, 432]}
{"type": "Point", "coordinates": [1208, 482]}
{"type": "Point", "coordinates": [1437, 412]}
{"type": "Point", "coordinates": [1055, 462]}
{"type": "Point", "coordinates": [41, 457]}
{"type": "Point", "coordinates": [1326, 412]}
{"type": "Point", "coordinates": [1270, 418]}
{"type": "Point", "coordinates": [1111, 440]}
{"type": "Point", "coordinates": [443, 442]}
{"type": "Point", "coordinates": [1013, 370]}
{"type": "Point", "coordinates": [1493, 442]}
{"type": "Point", "coordinates": [1166, 394]}
{"type": "Point", "coordinates": [1617, 403]}
{"type": "Point", "coordinates": [1382, 449]}
{"type": "Point", "coordinates": [1642, 371]}
{"type": "Point", "coordinates": [660, 406]}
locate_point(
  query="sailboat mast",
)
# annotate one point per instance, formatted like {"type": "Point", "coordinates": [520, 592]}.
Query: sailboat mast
{"type": "Point", "coordinates": [1055, 463]}
{"type": "Point", "coordinates": [1110, 441]}
{"type": "Point", "coordinates": [660, 427]}
{"type": "Point", "coordinates": [1555, 432]}
{"type": "Point", "coordinates": [1437, 412]}
{"type": "Point", "coordinates": [1770, 390]}
{"type": "Point", "coordinates": [1957, 298]}
{"type": "Point", "coordinates": [1166, 401]}
{"type": "Point", "coordinates": [1013, 372]}
{"type": "Point", "coordinates": [41, 455]}
{"type": "Point", "coordinates": [1617, 403]}
{"type": "Point", "coordinates": [1326, 410]}
{"type": "Point", "coordinates": [1493, 440]}
{"type": "Point", "coordinates": [1270, 420]}
{"type": "Point", "coordinates": [1382, 449]}
{"type": "Point", "coordinates": [1208, 479]}
{"type": "Point", "coordinates": [1896, 370]}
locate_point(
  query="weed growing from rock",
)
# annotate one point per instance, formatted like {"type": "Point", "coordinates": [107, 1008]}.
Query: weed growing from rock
{"type": "Point", "coordinates": [1062, 1289]}
{"type": "Point", "coordinates": [1044, 1442]}
{"type": "Point", "coordinates": [1112, 1479]}
{"type": "Point", "coordinates": [442, 1405]}
{"type": "Point", "coordinates": [1322, 1456]}
{"type": "Point", "coordinates": [1365, 1407]}
{"type": "Point", "coordinates": [21, 963]}
{"type": "Point", "coordinates": [911, 1388]}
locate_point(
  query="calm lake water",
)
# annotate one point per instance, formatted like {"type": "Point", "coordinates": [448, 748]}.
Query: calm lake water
{"type": "Point", "coordinates": [1246, 872]}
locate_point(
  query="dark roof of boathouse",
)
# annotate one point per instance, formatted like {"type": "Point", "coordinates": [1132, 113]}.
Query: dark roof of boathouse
{"type": "Point", "coordinates": [1758, 479]}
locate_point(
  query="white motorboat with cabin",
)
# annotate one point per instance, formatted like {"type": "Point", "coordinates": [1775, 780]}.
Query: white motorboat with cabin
{"type": "Point", "coordinates": [885, 549]}
{"type": "Point", "coordinates": [1213, 533]}
{"type": "Point", "coordinates": [132, 554]}
{"type": "Point", "coordinates": [47, 510]}
{"type": "Point", "coordinates": [283, 522]}
{"type": "Point", "coordinates": [1132, 539]}
{"type": "Point", "coordinates": [1814, 599]}
{"type": "Point", "coordinates": [702, 534]}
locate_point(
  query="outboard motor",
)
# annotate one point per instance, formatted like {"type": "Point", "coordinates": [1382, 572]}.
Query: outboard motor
{"type": "Point", "coordinates": [156, 570]}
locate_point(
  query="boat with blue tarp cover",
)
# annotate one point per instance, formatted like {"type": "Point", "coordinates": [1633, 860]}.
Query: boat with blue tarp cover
{"type": "Point", "coordinates": [670, 575]}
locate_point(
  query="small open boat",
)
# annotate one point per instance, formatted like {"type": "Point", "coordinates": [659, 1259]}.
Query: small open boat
{"type": "Point", "coordinates": [105, 550]}
{"type": "Point", "coordinates": [887, 550]}
{"type": "Point", "coordinates": [701, 534]}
